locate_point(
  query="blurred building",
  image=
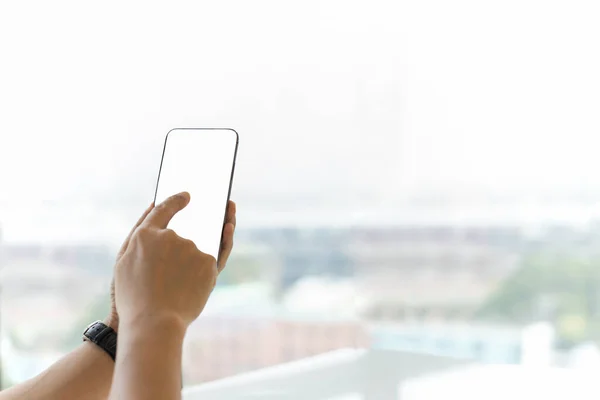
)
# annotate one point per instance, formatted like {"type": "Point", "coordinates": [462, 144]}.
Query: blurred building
{"type": "Point", "coordinates": [479, 342]}
{"type": "Point", "coordinates": [45, 290]}
{"type": "Point", "coordinates": [302, 251]}
{"type": "Point", "coordinates": [223, 346]}
{"type": "Point", "coordinates": [430, 272]}
{"type": "Point", "coordinates": [401, 272]}
{"type": "Point", "coordinates": [243, 328]}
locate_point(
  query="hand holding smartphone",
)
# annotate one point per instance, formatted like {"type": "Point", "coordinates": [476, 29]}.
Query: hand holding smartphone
{"type": "Point", "coordinates": [201, 162]}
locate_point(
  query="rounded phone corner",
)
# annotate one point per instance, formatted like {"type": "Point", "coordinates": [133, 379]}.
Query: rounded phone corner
{"type": "Point", "coordinates": [169, 134]}
{"type": "Point", "coordinates": [237, 135]}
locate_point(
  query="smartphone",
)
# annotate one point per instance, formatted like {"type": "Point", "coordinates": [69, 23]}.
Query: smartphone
{"type": "Point", "coordinates": [201, 162]}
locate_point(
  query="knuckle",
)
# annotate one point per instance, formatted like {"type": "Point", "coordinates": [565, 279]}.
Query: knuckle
{"type": "Point", "coordinates": [169, 234]}
{"type": "Point", "coordinates": [209, 260]}
{"type": "Point", "coordinates": [205, 262]}
{"type": "Point", "coordinates": [162, 206]}
{"type": "Point", "coordinates": [143, 232]}
{"type": "Point", "coordinates": [189, 245]}
{"type": "Point", "coordinates": [165, 206]}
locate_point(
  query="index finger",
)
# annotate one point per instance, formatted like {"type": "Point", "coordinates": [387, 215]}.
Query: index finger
{"type": "Point", "coordinates": [161, 215]}
{"type": "Point", "coordinates": [138, 223]}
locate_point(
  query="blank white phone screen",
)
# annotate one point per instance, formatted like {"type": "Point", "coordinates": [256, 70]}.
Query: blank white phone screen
{"type": "Point", "coordinates": [201, 162]}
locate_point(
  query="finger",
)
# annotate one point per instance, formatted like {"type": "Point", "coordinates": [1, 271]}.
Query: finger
{"type": "Point", "coordinates": [138, 223]}
{"type": "Point", "coordinates": [231, 213]}
{"type": "Point", "coordinates": [228, 231]}
{"type": "Point", "coordinates": [226, 245]}
{"type": "Point", "coordinates": [160, 216]}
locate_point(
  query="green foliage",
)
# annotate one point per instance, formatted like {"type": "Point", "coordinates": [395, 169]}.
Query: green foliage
{"type": "Point", "coordinates": [97, 310]}
{"type": "Point", "coordinates": [241, 269]}
{"type": "Point", "coordinates": [6, 381]}
{"type": "Point", "coordinates": [562, 288]}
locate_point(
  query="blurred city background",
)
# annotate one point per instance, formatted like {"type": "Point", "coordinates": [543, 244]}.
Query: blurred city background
{"type": "Point", "coordinates": [412, 176]}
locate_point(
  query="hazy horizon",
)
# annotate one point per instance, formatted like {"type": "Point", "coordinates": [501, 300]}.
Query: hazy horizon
{"type": "Point", "coordinates": [336, 102]}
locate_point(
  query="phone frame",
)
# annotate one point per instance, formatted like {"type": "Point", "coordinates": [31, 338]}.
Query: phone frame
{"type": "Point", "coordinates": [237, 140]}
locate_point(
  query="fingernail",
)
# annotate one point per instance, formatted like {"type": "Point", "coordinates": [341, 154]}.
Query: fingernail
{"type": "Point", "coordinates": [184, 195]}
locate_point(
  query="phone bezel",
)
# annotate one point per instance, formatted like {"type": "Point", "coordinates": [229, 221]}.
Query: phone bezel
{"type": "Point", "coordinates": [237, 140]}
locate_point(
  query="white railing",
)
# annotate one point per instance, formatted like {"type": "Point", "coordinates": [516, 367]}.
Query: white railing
{"type": "Point", "coordinates": [367, 374]}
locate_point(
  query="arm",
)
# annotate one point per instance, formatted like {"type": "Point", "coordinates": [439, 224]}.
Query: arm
{"type": "Point", "coordinates": [85, 373]}
{"type": "Point", "coordinates": [149, 360]}
{"type": "Point", "coordinates": [162, 283]}
{"type": "Point", "coordinates": [149, 357]}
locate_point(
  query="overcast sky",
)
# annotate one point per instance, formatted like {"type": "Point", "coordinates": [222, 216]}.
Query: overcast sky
{"type": "Point", "coordinates": [336, 102]}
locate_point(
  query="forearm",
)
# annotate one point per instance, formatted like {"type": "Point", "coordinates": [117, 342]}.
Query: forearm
{"type": "Point", "coordinates": [149, 360]}
{"type": "Point", "coordinates": [85, 373]}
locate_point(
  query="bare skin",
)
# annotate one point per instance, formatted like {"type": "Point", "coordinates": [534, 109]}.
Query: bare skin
{"type": "Point", "coordinates": [87, 372]}
{"type": "Point", "coordinates": [162, 283]}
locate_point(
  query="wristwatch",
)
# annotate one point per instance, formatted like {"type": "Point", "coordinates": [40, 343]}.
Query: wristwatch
{"type": "Point", "coordinates": [103, 336]}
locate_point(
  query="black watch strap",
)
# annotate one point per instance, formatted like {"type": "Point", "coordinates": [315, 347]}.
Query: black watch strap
{"type": "Point", "coordinates": [103, 336]}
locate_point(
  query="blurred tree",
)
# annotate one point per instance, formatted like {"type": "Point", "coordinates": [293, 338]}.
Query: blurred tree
{"type": "Point", "coordinates": [241, 269]}
{"type": "Point", "coordinates": [97, 310]}
{"type": "Point", "coordinates": [6, 382]}
{"type": "Point", "coordinates": [560, 288]}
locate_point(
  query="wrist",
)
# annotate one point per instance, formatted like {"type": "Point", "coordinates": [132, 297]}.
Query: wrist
{"type": "Point", "coordinates": [102, 336]}
{"type": "Point", "coordinates": [154, 324]}
{"type": "Point", "coordinates": [112, 321]}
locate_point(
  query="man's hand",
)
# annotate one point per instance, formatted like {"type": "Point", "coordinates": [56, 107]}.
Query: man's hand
{"type": "Point", "coordinates": [162, 283]}
{"type": "Point", "coordinates": [161, 273]}
{"type": "Point", "coordinates": [226, 246]}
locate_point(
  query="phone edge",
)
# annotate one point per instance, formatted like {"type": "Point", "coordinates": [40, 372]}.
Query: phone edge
{"type": "Point", "coordinates": [237, 141]}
